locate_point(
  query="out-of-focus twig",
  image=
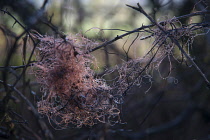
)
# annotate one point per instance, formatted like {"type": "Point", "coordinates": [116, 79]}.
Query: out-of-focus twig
{"type": "Point", "coordinates": [154, 130]}
{"type": "Point", "coordinates": [41, 123]}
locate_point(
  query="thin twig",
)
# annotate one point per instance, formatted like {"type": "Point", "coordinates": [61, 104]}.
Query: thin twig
{"type": "Point", "coordinates": [141, 10]}
{"type": "Point", "coordinates": [118, 37]}
{"type": "Point", "coordinates": [144, 27]}
{"type": "Point", "coordinates": [147, 65]}
{"type": "Point", "coordinates": [45, 130]}
{"type": "Point", "coordinates": [152, 108]}
{"type": "Point", "coordinates": [16, 67]}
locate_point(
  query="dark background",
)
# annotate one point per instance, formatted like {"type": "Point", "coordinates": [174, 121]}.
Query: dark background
{"type": "Point", "coordinates": [176, 107]}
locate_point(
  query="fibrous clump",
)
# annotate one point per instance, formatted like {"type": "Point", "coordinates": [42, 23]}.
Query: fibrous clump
{"type": "Point", "coordinates": [71, 94]}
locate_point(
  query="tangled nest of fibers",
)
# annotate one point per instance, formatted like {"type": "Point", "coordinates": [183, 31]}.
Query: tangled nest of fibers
{"type": "Point", "coordinates": [72, 97]}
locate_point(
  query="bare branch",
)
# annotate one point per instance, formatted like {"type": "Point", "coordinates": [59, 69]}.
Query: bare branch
{"type": "Point", "coordinates": [140, 9]}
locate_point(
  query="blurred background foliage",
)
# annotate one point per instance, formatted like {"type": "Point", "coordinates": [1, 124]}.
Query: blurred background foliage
{"type": "Point", "coordinates": [142, 110]}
